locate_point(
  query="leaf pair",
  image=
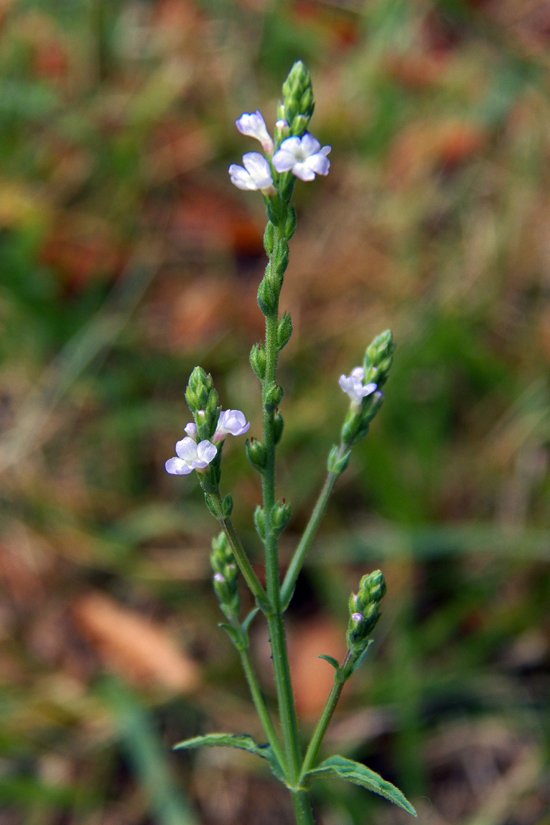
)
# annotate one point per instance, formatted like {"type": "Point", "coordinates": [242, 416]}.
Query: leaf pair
{"type": "Point", "coordinates": [335, 765]}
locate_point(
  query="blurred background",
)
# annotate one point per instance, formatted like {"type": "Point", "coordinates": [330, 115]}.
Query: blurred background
{"type": "Point", "coordinates": [126, 257]}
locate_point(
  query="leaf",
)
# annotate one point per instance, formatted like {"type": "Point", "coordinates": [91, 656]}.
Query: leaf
{"type": "Point", "coordinates": [233, 634]}
{"type": "Point", "coordinates": [232, 740]}
{"type": "Point", "coordinates": [330, 659]}
{"type": "Point", "coordinates": [249, 619]}
{"type": "Point", "coordinates": [361, 658]}
{"type": "Point", "coordinates": [361, 775]}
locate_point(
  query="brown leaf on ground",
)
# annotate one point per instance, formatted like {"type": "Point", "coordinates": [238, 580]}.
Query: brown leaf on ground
{"type": "Point", "coordinates": [135, 647]}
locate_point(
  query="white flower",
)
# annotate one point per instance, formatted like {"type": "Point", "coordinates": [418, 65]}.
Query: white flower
{"type": "Point", "coordinates": [303, 157]}
{"type": "Point", "coordinates": [191, 456]}
{"type": "Point", "coordinates": [353, 385]}
{"type": "Point", "coordinates": [231, 422]}
{"type": "Point", "coordinates": [255, 175]}
{"type": "Point", "coordinates": [191, 430]}
{"type": "Point", "coordinates": [254, 126]}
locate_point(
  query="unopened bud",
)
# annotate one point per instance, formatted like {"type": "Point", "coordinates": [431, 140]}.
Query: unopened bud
{"type": "Point", "coordinates": [280, 515]}
{"type": "Point", "coordinates": [256, 453]}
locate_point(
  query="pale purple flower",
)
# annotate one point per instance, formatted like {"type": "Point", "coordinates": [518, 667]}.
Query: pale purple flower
{"type": "Point", "coordinates": [190, 456]}
{"type": "Point", "coordinates": [255, 175]}
{"type": "Point", "coordinates": [253, 125]}
{"type": "Point", "coordinates": [353, 385]}
{"type": "Point", "coordinates": [357, 617]}
{"type": "Point", "coordinates": [303, 156]}
{"type": "Point", "coordinates": [231, 422]}
{"type": "Point", "coordinates": [191, 430]}
{"type": "Point", "coordinates": [219, 577]}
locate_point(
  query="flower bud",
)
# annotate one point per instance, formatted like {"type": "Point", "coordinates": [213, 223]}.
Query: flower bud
{"type": "Point", "coordinates": [378, 358]}
{"type": "Point", "coordinates": [272, 396]}
{"type": "Point", "coordinates": [337, 463]}
{"type": "Point", "coordinates": [269, 236]}
{"type": "Point", "coordinates": [268, 295]}
{"type": "Point", "coordinates": [257, 360]}
{"type": "Point", "coordinates": [297, 98]}
{"type": "Point", "coordinates": [259, 521]}
{"type": "Point", "coordinates": [278, 426]}
{"type": "Point", "coordinates": [280, 515]}
{"type": "Point", "coordinates": [256, 453]}
{"type": "Point", "coordinates": [284, 330]}
{"type": "Point", "coordinates": [290, 225]}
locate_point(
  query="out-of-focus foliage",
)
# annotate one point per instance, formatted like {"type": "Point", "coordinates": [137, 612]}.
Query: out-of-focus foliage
{"type": "Point", "coordinates": [126, 257]}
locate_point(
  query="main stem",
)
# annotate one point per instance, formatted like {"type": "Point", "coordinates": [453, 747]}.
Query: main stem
{"type": "Point", "coordinates": [281, 667]}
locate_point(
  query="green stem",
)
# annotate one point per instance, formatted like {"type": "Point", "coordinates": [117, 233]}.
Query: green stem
{"type": "Point", "coordinates": [281, 667]}
{"type": "Point", "coordinates": [324, 721]}
{"type": "Point", "coordinates": [241, 558]}
{"type": "Point", "coordinates": [309, 534]}
{"type": "Point", "coordinates": [261, 708]}
{"type": "Point", "coordinates": [302, 807]}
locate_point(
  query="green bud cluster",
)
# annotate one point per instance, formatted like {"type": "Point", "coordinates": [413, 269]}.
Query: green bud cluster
{"type": "Point", "coordinates": [376, 364]}
{"type": "Point", "coordinates": [297, 105]}
{"type": "Point", "coordinates": [378, 358]}
{"type": "Point", "coordinates": [364, 608]}
{"type": "Point", "coordinates": [225, 577]}
{"type": "Point", "coordinates": [202, 400]}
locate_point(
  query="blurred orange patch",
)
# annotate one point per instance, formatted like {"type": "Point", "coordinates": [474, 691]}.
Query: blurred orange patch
{"type": "Point", "coordinates": [423, 147]}
{"type": "Point", "coordinates": [133, 646]}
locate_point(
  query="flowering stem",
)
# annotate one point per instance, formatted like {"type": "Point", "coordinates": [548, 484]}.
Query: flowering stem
{"type": "Point", "coordinates": [281, 667]}
{"type": "Point", "coordinates": [324, 721]}
{"type": "Point", "coordinates": [240, 556]}
{"type": "Point", "coordinates": [261, 708]}
{"type": "Point", "coordinates": [309, 534]}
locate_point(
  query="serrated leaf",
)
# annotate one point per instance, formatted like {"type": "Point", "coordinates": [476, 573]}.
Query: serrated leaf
{"type": "Point", "coordinates": [330, 659]}
{"type": "Point", "coordinates": [232, 740]}
{"type": "Point", "coordinates": [361, 775]}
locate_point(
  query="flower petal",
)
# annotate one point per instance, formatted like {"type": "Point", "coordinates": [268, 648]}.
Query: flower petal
{"type": "Point", "coordinates": [302, 171]}
{"type": "Point", "coordinates": [325, 150]}
{"type": "Point", "coordinates": [291, 144]}
{"type": "Point", "coordinates": [358, 372]}
{"type": "Point", "coordinates": [186, 449]}
{"type": "Point", "coordinates": [206, 451]}
{"type": "Point", "coordinates": [368, 389]}
{"type": "Point", "coordinates": [177, 467]}
{"type": "Point", "coordinates": [283, 161]}
{"type": "Point", "coordinates": [191, 430]}
{"type": "Point", "coordinates": [240, 177]}
{"type": "Point", "coordinates": [319, 163]}
{"type": "Point", "coordinates": [258, 168]}
{"type": "Point", "coordinates": [310, 145]}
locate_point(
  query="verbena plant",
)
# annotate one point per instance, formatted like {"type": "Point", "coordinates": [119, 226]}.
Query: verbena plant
{"type": "Point", "coordinates": [292, 153]}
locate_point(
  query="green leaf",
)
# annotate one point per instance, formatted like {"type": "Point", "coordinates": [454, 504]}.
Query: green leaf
{"type": "Point", "coordinates": [232, 740]}
{"type": "Point", "coordinates": [233, 634]}
{"type": "Point", "coordinates": [330, 659]}
{"type": "Point", "coordinates": [361, 775]}
{"type": "Point", "coordinates": [249, 619]}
